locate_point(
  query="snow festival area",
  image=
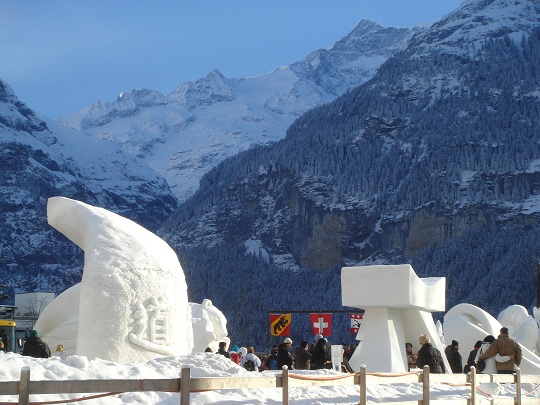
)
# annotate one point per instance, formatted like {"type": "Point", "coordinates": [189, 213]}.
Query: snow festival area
{"type": "Point", "coordinates": [134, 285]}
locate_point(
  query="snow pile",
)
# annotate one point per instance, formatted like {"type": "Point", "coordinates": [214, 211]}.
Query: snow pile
{"type": "Point", "coordinates": [214, 365]}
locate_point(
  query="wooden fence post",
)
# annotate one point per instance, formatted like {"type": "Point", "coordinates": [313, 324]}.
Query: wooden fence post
{"type": "Point", "coordinates": [285, 387]}
{"type": "Point", "coordinates": [425, 385]}
{"type": "Point", "coordinates": [363, 388]}
{"type": "Point", "coordinates": [24, 382]}
{"type": "Point", "coordinates": [518, 386]}
{"type": "Point", "coordinates": [185, 376]}
{"type": "Point", "coordinates": [473, 385]}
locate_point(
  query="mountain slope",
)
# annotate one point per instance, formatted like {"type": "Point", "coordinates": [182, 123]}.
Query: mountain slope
{"type": "Point", "coordinates": [434, 161]}
{"type": "Point", "coordinates": [184, 134]}
{"type": "Point", "coordinates": [41, 159]}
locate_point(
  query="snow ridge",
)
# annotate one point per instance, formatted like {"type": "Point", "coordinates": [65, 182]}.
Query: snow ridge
{"type": "Point", "coordinates": [184, 134]}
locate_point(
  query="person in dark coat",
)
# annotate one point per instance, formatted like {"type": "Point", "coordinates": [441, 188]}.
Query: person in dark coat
{"type": "Point", "coordinates": [454, 357]}
{"type": "Point", "coordinates": [429, 356]}
{"type": "Point", "coordinates": [322, 353]}
{"type": "Point", "coordinates": [284, 357]}
{"type": "Point", "coordinates": [35, 347]}
{"type": "Point", "coordinates": [222, 351]}
{"type": "Point", "coordinates": [472, 357]}
{"type": "Point", "coordinates": [4, 338]}
{"type": "Point", "coordinates": [302, 360]}
{"type": "Point", "coordinates": [271, 362]}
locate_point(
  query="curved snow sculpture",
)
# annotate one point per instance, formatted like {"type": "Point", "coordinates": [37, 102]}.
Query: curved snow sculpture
{"type": "Point", "coordinates": [467, 323]}
{"type": "Point", "coordinates": [59, 321]}
{"type": "Point", "coordinates": [209, 326]}
{"type": "Point", "coordinates": [521, 325]}
{"type": "Point", "coordinates": [133, 295]}
{"type": "Point", "coordinates": [396, 313]}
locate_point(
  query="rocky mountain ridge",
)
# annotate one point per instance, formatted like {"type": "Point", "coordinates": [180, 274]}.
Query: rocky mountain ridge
{"type": "Point", "coordinates": [42, 159]}
{"type": "Point", "coordinates": [184, 134]}
{"type": "Point", "coordinates": [433, 155]}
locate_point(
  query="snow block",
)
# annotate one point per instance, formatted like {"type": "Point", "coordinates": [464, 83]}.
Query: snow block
{"type": "Point", "coordinates": [394, 286]}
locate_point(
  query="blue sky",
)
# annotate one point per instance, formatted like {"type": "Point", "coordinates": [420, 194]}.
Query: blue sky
{"type": "Point", "coordinates": [62, 55]}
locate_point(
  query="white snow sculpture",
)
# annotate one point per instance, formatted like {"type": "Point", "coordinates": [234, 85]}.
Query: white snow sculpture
{"type": "Point", "coordinates": [398, 308]}
{"type": "Point", "coordinates": [59, 321]}
{"type": "Point", "coordinates": [209, 326]}
{"type": "Point", "coordinates": [521, 325]}
{"type": "Point", "coordinates": [133, 295]}
{"type": "Point", "coordinates": [467, 323]}
{"type": "Point", "coordinates": [536, 315]}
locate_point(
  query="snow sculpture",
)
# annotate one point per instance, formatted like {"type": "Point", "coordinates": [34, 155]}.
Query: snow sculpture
{"type": "Point", "coordinates": [521, 325]}
{"type": "Point", "coordinates": [395, 313]}
{"type": "Point", "coordinates": [467, 323]}
{"type": "Point", "coordinates": [209, 326]}
{"type": "Point", "coordinates": [133, 295]}
{"type": "Point", "coordinates": [59, 321]}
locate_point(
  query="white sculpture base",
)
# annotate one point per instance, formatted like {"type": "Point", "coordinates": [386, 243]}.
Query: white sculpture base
{"type": "Point", "coordinates": [390, 328]}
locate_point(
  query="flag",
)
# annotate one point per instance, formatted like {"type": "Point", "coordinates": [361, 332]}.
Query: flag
{"type": "Point", "coordinates": [280, 324]}
{"type": "Point", "coordinates": [356, 321]}
{"type": "Point", "coordinates": [321, 323]}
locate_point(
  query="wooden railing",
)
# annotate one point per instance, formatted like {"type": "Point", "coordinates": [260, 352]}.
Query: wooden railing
{"type": "Point", "coordinates": [286, 380]}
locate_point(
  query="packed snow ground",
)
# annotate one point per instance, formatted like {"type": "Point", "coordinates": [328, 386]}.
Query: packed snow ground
{"type": "Point", "coordinates": [213, 365]}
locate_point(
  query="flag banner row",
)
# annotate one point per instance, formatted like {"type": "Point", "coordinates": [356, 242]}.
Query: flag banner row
{"type": "Point", "coordinates": [321, 323]}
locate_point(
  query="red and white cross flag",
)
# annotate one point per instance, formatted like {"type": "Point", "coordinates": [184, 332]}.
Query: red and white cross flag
{"type": "Point", "coordinates": [321, 323]}
{"type": "Point", "coordinates": [356, 321]}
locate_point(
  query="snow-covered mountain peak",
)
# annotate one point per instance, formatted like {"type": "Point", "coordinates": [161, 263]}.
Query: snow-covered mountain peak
{"type": "Point", "coordinates": [477, 20]}
{"type": "Point", "coordinates": [369, 37]}
{"type": "Point", "coordinates": [213, 88]}
{"type": "Point", "coordinates": [184, 134]}
{"type": "Point", "coordinates": [16, 114]}
{"type": "Point", "coordinates": [141, 98]}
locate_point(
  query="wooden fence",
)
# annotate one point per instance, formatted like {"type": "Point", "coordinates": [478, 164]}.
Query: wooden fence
{"type": "Point", "coordinates": [185, 385]}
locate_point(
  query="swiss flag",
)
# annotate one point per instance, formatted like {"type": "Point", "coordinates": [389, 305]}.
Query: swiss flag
{"type": "Point", "coordinates": [321, 323]}
{"type": "Point", "coordinates": [356, 321]}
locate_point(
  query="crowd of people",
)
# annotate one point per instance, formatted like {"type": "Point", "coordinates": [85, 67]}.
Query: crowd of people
{"type": "Point", "coordinates": [501, 355]}
{"type": "Point", "coordinates": [306, 357]}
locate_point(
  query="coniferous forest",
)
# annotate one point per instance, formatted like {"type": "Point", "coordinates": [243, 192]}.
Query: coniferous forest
{"type": "Point", "coordinates": [458, 135]}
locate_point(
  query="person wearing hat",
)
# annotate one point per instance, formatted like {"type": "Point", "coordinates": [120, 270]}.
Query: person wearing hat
{"type": "Point", "coordinates": [35, 347]}
{"type": "Point", "coordinates": [284, 357]}
{"type": "Point", "coordinates": [322, 355]}
{"type": "Point", "coordinates": [454, 358]}
{"type": "Point", "coordinates": [411, 357]}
